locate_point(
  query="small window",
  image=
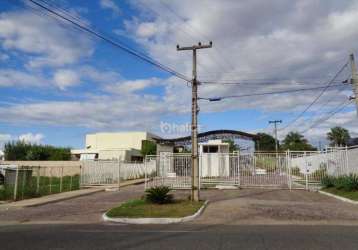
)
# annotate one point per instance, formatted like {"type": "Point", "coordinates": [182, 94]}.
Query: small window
{"type": "Point", "coordinates": [213, 149]}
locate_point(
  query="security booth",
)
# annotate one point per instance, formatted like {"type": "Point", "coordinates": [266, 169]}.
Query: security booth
{"type": "Point", "coordinates": [214, 158]}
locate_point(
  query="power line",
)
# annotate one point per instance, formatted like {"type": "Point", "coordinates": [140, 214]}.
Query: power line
{"type": "Point", "coordinates": [113, 43]}
{"type": "Point", "coordinates": [268, 93]}
{"type": "Point", "coordinates": [316, 99]}
{"type": "Point", "coordinates": [330, 115]}
{"type": "Point", "coordinates": [255, 81]}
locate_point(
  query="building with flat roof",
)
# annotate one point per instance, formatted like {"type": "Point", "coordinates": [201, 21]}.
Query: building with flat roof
{"type": "Point", "coordinates": [125, 146]}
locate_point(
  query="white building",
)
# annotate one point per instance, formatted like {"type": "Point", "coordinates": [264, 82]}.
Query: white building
{"type": "Point", "coordinates": [124, 146]}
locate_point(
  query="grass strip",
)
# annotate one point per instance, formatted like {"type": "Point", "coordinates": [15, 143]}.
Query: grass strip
{"type": "Point", "coordinates": [144, 209]}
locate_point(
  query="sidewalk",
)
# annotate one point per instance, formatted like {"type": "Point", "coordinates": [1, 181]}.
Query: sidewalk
{"type": "Point", "coordinates": [64, 196]}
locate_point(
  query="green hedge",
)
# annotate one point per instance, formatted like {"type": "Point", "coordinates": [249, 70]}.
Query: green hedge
{"type": "Point", "coordinates": [345, 182]}
{"type": "Point", "coordinates": [22, 151]}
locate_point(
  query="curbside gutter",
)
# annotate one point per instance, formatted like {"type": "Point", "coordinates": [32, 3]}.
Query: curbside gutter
{"type": "Point", "coordinates": [156, 220]}
{"type": "Point", "coordinates": [339, 197]}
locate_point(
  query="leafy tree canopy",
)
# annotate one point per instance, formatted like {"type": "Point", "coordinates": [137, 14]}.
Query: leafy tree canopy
{"type": "Point", "coordinates": [232, 146]}
{"type": "Point", "coordinates": [265, 142]}
{"type": "Point", "coordinates": [22, 151]}
{"type": "Point", "coordinates": [148, 148]}
{"type": "Point", "coordinates": [338, 136]}
{"type": "Point", "coordinates": [296, 141]}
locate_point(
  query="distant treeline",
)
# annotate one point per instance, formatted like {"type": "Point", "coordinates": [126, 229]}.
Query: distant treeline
{"type": "Point", "coordinates": [22, 151]}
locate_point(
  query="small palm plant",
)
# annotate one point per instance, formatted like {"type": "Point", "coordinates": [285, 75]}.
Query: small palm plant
{"type": "Point", "coordinates": [159, 195]}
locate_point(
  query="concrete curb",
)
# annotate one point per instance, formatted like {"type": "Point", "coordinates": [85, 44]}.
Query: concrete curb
{"type": "Point", "coordinates": [339, 197]}
{"type": "Point", "coordinates": [63, 196]}
{"type": "Point", "coordinates": [156, 220]}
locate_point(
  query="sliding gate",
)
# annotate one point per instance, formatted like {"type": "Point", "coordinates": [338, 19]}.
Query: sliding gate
{"type": "Point", "coordinates": [218, 169]}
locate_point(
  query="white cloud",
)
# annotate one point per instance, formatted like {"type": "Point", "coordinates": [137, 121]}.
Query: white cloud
{"type": "Point", "coordinates": [32, 138]}
{"type": "Point", "coordinates": [109, 4]}
{"type": "Point", "coordinates": [130, 86]}
{"type": "Point", "coordinates": [65, 78]}
{"type": "Point", "coordinates": [3, 139]}
{"type": "Point", "coordinates": [16, 78]}
{"type": "Point", "coordinates": [41, 38]}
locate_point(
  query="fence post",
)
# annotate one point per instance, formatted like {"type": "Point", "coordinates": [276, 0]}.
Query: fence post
{"type": "Point", "coordinates": [238, 168]}
{"type": "Point", "coordinates": [71, 182]}
{"type": "Point", "coordinates": [16, 182]}
{"type": "Point", "coordinates": [347, 163]}
{"type": "Point", "coordinates": [61, 179]}
{"type": "Point", "coordinates": [145, 173]}
{"type": "Point", "coordinates": [50, 180]}
{"type": "Point", "coordinates": [288, 159]}
{"type": "Point", "coordinates": [23, 183]}
{"type": "Point", "coordinates": [38, 180]}
{"type": "Point", "coordinates": [81, 173]}
{"type": "Point", "coordinates": [119, 173]}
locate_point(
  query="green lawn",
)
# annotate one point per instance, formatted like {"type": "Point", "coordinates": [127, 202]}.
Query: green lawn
{"type": "Point", "coordinates": [143, 209]}
{"type": "Point", "coordinates": [353, 195]}
{"type": "Point", "coordinates": [36, 187]}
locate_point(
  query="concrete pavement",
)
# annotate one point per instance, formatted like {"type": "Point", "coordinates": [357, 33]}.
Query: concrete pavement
{"type": "Point", "coordinates": [234, 219]}
{"type": "Point", "coordinates": [65, 195]}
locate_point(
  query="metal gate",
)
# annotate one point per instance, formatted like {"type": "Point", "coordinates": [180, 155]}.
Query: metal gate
{"type": "Point", "coordinates": [218, 169]}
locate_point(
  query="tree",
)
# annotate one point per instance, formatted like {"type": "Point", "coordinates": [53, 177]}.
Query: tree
{"type": "Point", "coordinates": [232, 146]}
{"type": "Point", "coordinates": [296, 141]}
{"type": "Point", "coordinates": [148, 148]}
{"type": "Point", "coordinates": [22, 151]}
{"type": "Point", "coordinates": [265, 142]}
{"type": "Point", "coordinates": [338, 136]}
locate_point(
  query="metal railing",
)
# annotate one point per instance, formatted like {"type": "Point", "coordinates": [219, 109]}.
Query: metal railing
{"type": "Point", "coordinates": [112, 172]}
{"type": "Point", "coordinates": [291, 169]}
{"type": "Point", "coordinates": [22, 182]}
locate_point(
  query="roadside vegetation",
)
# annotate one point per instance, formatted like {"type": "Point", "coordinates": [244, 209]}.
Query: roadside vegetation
{"type": "Point", "coordinates": [22, 151]}
{"type": "Point", "coordinates": [345, 186]}
{"type": "Point", "coordinates": [32, 187]}
{"type": "Point", "coordinates": [158, 202]}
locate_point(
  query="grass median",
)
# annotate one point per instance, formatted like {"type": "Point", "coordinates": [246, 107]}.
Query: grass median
{"type": "Point", "coordinates": [352, 195]}
{"type": "Point", "coordinates": [145, 209]}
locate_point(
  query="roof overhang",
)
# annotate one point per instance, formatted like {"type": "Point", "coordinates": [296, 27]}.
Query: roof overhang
{"type": "Point", "coordinates": [210, 135]}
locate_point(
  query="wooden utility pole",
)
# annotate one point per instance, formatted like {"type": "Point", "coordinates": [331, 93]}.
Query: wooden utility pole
{"type": "Point", "coordinates": [354, 79]}
{"type": "Point", "coordinates": [195, 196]}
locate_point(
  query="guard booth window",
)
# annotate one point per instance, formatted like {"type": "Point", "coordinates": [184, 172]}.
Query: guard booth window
{"type": "Point", "coordinates": [210, 149]}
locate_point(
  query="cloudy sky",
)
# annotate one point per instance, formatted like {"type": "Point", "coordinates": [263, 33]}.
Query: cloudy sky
{"type": "Point", "coordinates": [58, 83]}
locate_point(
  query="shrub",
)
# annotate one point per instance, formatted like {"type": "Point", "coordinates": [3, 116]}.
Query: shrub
{"type": "Point", "coordinates": [347, 182]}
{"type": "Point", "coordinates": [296, 171]}
{"type": "Point", "coordinates": [328, 181]}
{"type": "Point", "coordinates": [159, 195]}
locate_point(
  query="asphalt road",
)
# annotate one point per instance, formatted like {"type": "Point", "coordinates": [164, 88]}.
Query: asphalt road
{"type": "Point", "coordinates": [99, 236]}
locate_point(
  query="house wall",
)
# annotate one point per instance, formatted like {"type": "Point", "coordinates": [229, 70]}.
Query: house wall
{"type": "Point", "coordinates": [105, 141]}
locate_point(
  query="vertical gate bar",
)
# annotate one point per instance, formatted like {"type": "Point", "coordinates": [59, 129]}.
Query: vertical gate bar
{"type": "Point", "coordinates": [61, 179]}
{"type": "Point", "coordinates": [38, 180]}
{"type": "Point", "coordinates": [23, 183]}
{"type": "Point", "coordinates": [119, 173]}
{"type": "Point", "coordinates": [50, 180]}
{"type": "Point", "coordinates": [16, 182]}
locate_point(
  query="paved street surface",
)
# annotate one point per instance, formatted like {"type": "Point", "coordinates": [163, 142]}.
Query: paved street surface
{"type": "Point", "coordinates": [178, 237]}
{"type": "Point", "coordinates": [234, 219]}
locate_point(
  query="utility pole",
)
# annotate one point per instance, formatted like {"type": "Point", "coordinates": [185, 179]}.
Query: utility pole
{"type": "Point", "coordinates": [275, 126]}
{"type": "Point", "coordinates": [354, 79]}
{"type": "Point", "coordinates": [195, 196]}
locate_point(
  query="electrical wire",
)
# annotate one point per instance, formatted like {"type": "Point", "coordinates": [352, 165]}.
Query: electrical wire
{"type": "Point", "coordinates": [316, 99]}
{"type": "Point", "coordinates": [330, 114]}
{"type": "Point", "coordinates": [269, 93]}
{"type": "Point", "coordinates": [112, 42]}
